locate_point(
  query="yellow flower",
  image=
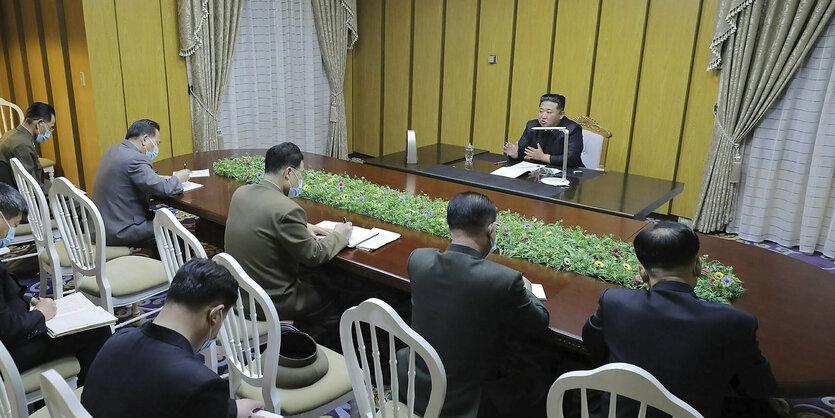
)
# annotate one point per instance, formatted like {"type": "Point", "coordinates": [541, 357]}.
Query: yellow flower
{"type": "Point", "coordinates": [599, 264]}
{"type": "Point", "coordinates": [345, 196]}
{"type": "Point", "coordinates": [441, 210]}
{"type": "Point", "coordinates": [627, 266]}
{"type": "Point", "coordinates": [305, 187]}
{"type": "Point", "coordinates": [599, 248]}
{"type": "Point", "coordinates": [718, 275]}
{"type": "Point", "coordinates": [441, 220]}
{"type": "Point", "coordinates": [548, 233]}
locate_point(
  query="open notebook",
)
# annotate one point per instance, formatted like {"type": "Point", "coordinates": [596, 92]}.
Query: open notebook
{"type": "Point", "coordinates": [75, 313]}
{"type": "Point", "coordinates": [358, 234]}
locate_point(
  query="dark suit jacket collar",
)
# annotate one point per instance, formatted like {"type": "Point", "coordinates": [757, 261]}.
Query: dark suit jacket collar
{"type": "Point", "coordinates": [166, 335]}
{"type": "Point", "coordinates": [673, 286]}
{"type": "Point", "coordinates": [464, 249]}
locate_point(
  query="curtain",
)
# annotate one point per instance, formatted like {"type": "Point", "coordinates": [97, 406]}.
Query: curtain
{"type": "Point", "coordinates": [762, 44]}
{"type": "Point", "coordinates": [787, 192]}
{"type": "Point", "coordinates": [207, 30]}
{"type": "Point", "coordinates": [336, 25]}
{"type": "Point", "coordinates": [278, 90]}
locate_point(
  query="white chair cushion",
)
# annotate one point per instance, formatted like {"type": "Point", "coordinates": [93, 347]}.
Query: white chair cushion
{"type": "Point", "coordinates": [592, 149]}
{"type": "Point", "coordinates": [330, 387]}
{"type": "Point", "coordinates": [64, 257]}
{"type": "Point", "coordinates": [46, 162]}
{"type": "Point", "coordinates": [44, 412]}
{"type": "Point", "coordinates": [65, 366]}
{"type": "Point", "coordinates": [128, 275]}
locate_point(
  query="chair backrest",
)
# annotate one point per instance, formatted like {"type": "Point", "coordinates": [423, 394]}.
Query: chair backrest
{"type": "Point", "coordinates": [82, 230]}
{"type": "Point", "coordinates": [8, 110]}
{"type": "Point", "coordinates": [240, 340]}
{"type": "Point", "coordinates": [59, 398]}
{"type": "Point", "coordinates": [12, 397]}
{"type": "Point", "coordinates": [38, 208]}
{"type": "Point", "coordinates": [619, 379]}
{"type": "Point", "coordinates": [379, 315]}
{"type": "Point", "coordinates": [595, 142]}
{"type": "Point", "coordinates": [175, 243]}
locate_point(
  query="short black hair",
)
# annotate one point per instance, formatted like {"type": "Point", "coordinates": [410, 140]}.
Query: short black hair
{"type": "Point", "coordinates": [11, 202]}
{"type": "Point", "coordinates": [281, 156]}
{"type": "Point", "coordinates": [39, 110]}
{"type": "Point", "coordinates": [200, 282]}
{"type": "Point", "coordinates": [559, 99]}
{"type": "Point", "coordinates": [142, 127]}
{"type": "Point", "coordinates": [470, 211]}
{"type": "Point", "coordinates": [668, 245]}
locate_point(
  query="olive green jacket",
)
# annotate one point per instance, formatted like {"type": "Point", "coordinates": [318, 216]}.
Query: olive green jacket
{"type": "Point", "coordinates": [18, 143]}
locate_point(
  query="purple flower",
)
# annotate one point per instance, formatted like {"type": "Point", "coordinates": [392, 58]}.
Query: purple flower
{"type": "Point", "coordinates": [504, 234]}
{"type": "Point", "coordinates": [259, 174]}
{"type": "Point", "coordinates": [361, 198]}
{"type": "Point", "coordinates": [340, 188]}
{"type": "Point", "coordinates": [500, 224]}
{"type": "Point", "coordinates": [726, 280]}
{"type": "Point", "coordinates": [427, 212]}
{"type": "Point", "coordinates": [595, 257]}
{"type": "Point", "coordinates": [527, 226]}
{"type": "Point", "coordinates": [401, 198]}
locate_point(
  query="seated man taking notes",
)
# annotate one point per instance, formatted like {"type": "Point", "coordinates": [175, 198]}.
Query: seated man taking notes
{"type": "Point", "coordinates": [547, 146]}
{"type": "Point", "coordinates": [267, 232]}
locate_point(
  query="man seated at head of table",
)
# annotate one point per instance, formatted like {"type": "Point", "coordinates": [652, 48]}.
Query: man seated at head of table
{"type": "Point", "coordinates": [700, 351]}
{"type": "Point", "coordinates": [36, 127]}
{"type": "Point", "coordinates": [547, 146]}
{"type": "Point", "coordinates": [469, 308]}
{"type": "Point", "coordinates": [126, 180]}
{"type": "Point", "coordinates": [267, 232]}
{"type": "Point", "coordinates": [154, 371]}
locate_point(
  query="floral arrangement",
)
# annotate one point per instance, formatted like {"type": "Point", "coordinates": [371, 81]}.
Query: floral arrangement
{"type": "Point", "coordinates": [549, 244]}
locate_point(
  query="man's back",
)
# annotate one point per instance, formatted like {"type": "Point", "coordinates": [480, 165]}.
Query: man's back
{"type": "Point", "coordinates": [464, 306]}
{"type": "Point", "coordinates": [698, 350]}
{"type": "Point", "coordinates": [152, 372]}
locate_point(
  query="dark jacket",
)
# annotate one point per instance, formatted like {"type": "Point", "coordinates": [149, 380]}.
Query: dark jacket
{"type": "Point", "coordinates": [464, 306]}
{"type": "Point", "coordinates": [552, 142]}
{"type": "Point", "coordinates": [19, 143]}
{"type": "Point", "coordinates": [152, 372]}
{"type": "Point", "coordinates": [18, 324]}
{"type": "Point", "coordinates": [700, 351]}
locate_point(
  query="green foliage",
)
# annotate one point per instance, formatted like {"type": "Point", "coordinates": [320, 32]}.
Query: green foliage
{"type": "Point", "coordinates": [552, 245]}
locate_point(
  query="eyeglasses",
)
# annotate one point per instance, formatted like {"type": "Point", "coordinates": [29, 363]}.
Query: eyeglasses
{"type": "Point", "coordinates": [52, 129]}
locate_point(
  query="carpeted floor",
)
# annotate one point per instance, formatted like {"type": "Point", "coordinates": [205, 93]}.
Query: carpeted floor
{"type": "Point", "coordinates": [796, 408]}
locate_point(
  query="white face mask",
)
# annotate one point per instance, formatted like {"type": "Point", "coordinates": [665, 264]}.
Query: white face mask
{"type": "Point", "coordinates": [295, 191]}
{"type": "Point", "coordinates": [210, 341]}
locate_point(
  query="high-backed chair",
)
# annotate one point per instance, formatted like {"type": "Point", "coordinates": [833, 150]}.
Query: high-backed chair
{"type": "Point", "coordinates": [59, 397]}
{"type": "Point", "coordinates": [119, 282]}
{"type": "Point", "coordinates": [52, 256]}
{"type": "Point", "coordinates": [595, 143]}
{"type": "Point", "coordinates": [619, 379]}
{"type": "Point", "coordinates": [379, 315]}
{"type": "Point", "coordinates": [17, 391]}
{"type": "Point", "coordinates": [8, 111]}
{"type": "Point", "coordinates": [253, 372]}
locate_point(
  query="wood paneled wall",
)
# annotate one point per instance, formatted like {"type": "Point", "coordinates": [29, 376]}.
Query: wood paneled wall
{"type": "Point", "coordinates": [102, 64]}
{"type": "Point", "coordinates": [636, 66]}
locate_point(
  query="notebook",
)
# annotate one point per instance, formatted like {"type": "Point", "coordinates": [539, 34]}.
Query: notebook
{"type": "Point", "coordinates": [538, 291]}
{"type": "Point", "coordinates": [196, 173]}
{"type": "Point", "coordinates": [75, 313]}
{"type": "Point", "coordinates": [265, 414]}
{"type": "Point", "coordinates": [383, 237]}
{"type": "Point", "coordinates": [358, 234]}
{"type": "Point", "coordinates": [516, 170]}
{"type": "Point", "coordinates": [188, 186]}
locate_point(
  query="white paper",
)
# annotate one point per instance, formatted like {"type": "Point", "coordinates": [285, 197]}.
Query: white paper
{"type": "Point", "coordinates": [383, 237]}
{"type": "Point", "coordinates": [516, 170]}
{"type": "Point", "coordinates": [538, 291]}
{"type": "Point", "coordinates": [265, 414]}
{"type": "Point", "coordinates": [4, 250]}
{"type": "Point", "coordinates": [197, 173]}
{"type": "Point", "coordinates": [358, 234]}
{"type": "Point", "coordinates": [188, 186]}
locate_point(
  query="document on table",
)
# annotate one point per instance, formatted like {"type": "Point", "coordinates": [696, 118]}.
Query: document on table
{"type": "Point", "coordinates": [197, 173]}
{"type": "Point", "coordinates": [265, 414]}
{"type": "Point", "coordinates": [538, 291]}
{"type": "Point", "coordinates": [383, 237]}
{"type": "Point", "coordinates": [358, 234]}
{"type": "Point", "coordinates": [516, 170]}
{"type": "Point", "coordinates": [75, 313]}
{"type": "Point", "coordinates": [188, 186]}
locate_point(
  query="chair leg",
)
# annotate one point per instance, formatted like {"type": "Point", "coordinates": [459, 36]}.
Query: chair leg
{"type": "Point", "coordinates": [135, 308]}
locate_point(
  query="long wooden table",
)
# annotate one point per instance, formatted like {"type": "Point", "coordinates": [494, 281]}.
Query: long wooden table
{"type": "Point", "coordinates": [791, 299]}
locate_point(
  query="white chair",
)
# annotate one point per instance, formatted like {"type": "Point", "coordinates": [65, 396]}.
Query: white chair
{"type": "Point", "coordinates": [595, 143]}
{"type": "Point", "coordinates": [52, 256]}
{"type": "Point", "coordinates": [619, 379]}
{"type": "Point", "coordinates": [48, 167]}
{"type": "Point", "coordinates": [122, 281]}
{"type": "Point", "coordinates": [379, 315]}
{"type": "Point", "coordinates": [7, 112]}
{"type": "Point", "coordinates": [252, 372]}
{"type": "Point", "coordinates": [59, 397]}
{"type": "Point", "coordinates": [17, 391]}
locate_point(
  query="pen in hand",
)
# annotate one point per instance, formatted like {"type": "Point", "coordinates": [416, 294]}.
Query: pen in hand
{"type": "Point", "coordinates": [344, 220]}
{"type": "Point", "coordinates": [184, 166]}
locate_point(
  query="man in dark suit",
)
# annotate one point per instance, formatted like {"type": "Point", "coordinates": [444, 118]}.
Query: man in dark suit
{"type": "Point", "coordinates": [700, 351]}
{"type": "Point", "coordinates": [467, 308]}
{"type": "Point", "coordinates": [547, 146]}
{"type": "Point", "coordinates": [23, 331]}
{"type": "Point", "coordinates": [20, 143]}
{"type": "Point", "coordinates": [125, 181]}
{"type": "Point", "coordinates": [154, 371]}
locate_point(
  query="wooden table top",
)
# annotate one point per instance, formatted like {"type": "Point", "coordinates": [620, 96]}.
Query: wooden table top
{"type": "Point", "coordinates": [789, 297]}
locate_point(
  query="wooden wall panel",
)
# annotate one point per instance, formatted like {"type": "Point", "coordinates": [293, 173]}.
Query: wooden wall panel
{"type": "Point", "coordinates": [426, 70]}
{"type": "Point", "coordinates": [396, 71]}
{"type": "Point", "coordinates": [367, 63]}
{"type": "Point", "coordinates": [5, 77]}
{"type": "Point", "coordinates": [531, 62]}
{"type": "Point", "coordinates": [176, 82]}
{"type": "Point", "coordinates": [613, 96]}
{"type": "Point", "coordinates": [574, 51]}
{"type": "Point", "coordinates": [18, 71]}
{"type": "Point", "coordinates": [698, 122]}
{"type": "Point", "coordinates": [493, 80]}
{"type": "Point", "coordinates": [459, 63]}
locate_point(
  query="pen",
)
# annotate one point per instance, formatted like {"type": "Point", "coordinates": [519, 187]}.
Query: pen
{"type": "Point", "coordinates": [344, 220]}
{"type": "Point", "coordinates": [184, 166]}
{"type": "Point", "coordinates": [500, 162]}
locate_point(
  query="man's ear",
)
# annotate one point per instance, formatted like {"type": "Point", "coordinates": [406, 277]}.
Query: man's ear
{"type": "Point", "coordinates": [214, 319]}
{"type": "Point", "coordinates": [697, 267]}
{"type": "Point", "coordinates": [643, 273]}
